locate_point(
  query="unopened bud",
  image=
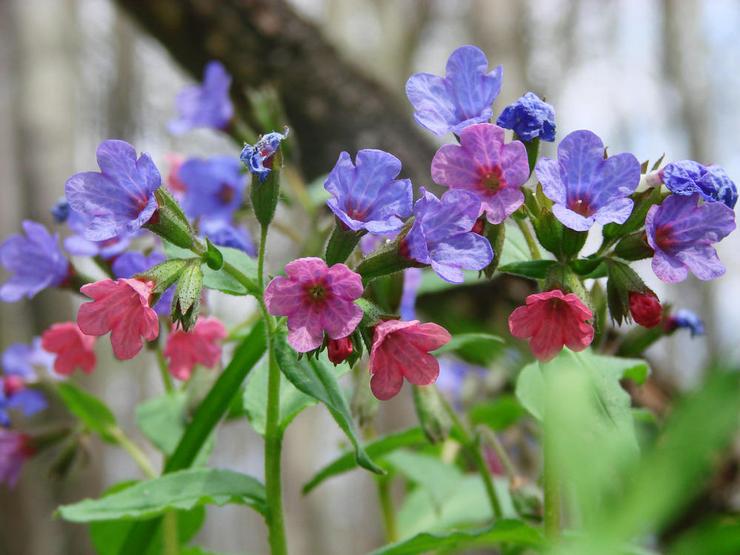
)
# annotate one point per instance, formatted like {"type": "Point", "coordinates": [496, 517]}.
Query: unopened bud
{"type": "Point", "coordinates": [339, 350]}
{"type": "Point", "coordinates": [645, 308]}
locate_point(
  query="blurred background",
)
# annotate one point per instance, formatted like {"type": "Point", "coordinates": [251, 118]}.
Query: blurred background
{"type": "Point", "coordinates": [648, 76]}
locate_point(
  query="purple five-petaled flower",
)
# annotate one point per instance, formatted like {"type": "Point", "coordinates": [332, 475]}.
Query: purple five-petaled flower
{"type": "Point", "coordinates": [119, 199]}
{"type": "Point", "coordinates": [585, 187]}
{"type": "Point", "coordinates": [687, 177]}
{"type": "Point", "coordinates": [207, 105]}
{"type": "Point", "coordinates": [685, 319]}
{"type": "Point", "coordinates": [487, 166]}
{"type": "Point", "coordinates": [366, 195]}
{"type": "Point", "coordinates": [441, 235]}
{"type": "Point", "coordinates": [224, 234]}
{"type": "Point", "coordinates": [461, 98]}
{"type": "Point", "coordinates": [530, 118]}
{"type": "Point", "coordinates": [131, 263]}
{"type": "Point", "coordinates": [681, 231]}
{"type": "Point", "coordinates": [36, 261]}
{"type": "Point", "coordinates": [77, 245]}
{"type": "Point", "coordinates": [214, 187]}
{"type": "Point", "coordinates": [259, 157]}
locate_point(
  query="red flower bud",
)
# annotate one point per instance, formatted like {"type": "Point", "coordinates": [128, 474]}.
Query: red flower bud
{"type": "Point", "coordinates": [646, 309]}
{"type": "Point", "coordinates": [339, 350]}
{"type": "Point", "coordinates": [12, 384]}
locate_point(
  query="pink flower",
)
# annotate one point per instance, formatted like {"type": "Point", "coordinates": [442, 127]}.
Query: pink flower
{"type": "Point", "coordinates": [316, 299]}
{"type": "Point", "coordinates": [15, 449]}
{"type": "Point", "coordinates": [551, 320]}
{"type": "Point", "coordinates": [73, 349]}
{"type": "Point", "coordinates": [174, 183]}
{"type": "Point", "coordinates": [401, 350]}
{"type": "Point", "coordinates": [487, 166]}
{"type": "Point", "coordinates": [201, 345]}
{"type": "Point", "coordinates": [122, 308]}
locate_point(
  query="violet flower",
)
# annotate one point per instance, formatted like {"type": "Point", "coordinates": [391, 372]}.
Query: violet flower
{"type": "Point", "coordinates": [35, 260]}
{"type": "Point", "coordinates": [21, 359]}
{"type": "Point", "coordinates": [687, 177]}
{"type": "Point", "coordinates": [131, 263]}
{"type": "Point", "coordinates": [15, 449]}
{"type": "Point", "coordinates": [207, 105]}
{"type": "Point", "coordinates": [487, 166]}
{"type": "Point", "coordinates": [685, 319]}
{"type": "Point", "coordinates": [77, 245]}
{"type": "Point", "coordinates": [224, 234]}
{"type": "Point", "coordinates": [18, 374]}
{"type": "Point", "coordinates": [681, 232]}
{"type": "Point", "coordinates": [366, 195]}
{"type": "Point", "coordinates": [585, 187]}
{"type": "Point", "coordinates": [214, 187]}
{"type": "Point", "coordinates": [119, 199]}
{"type": "Point", "coordinates": [463, 97]}
{"type": "Point", "coordinates": [258, 157]}
{"type": "Point", "coordinates": [530, 118]}
{"type": "Point", "coordinates": [441, 235]}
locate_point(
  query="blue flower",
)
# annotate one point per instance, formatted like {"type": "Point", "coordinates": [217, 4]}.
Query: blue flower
{"type": "Point", "coordinates": [22, 360]}
{"type": "Point", "coordinates": [366, 195]}
{"type": "Point", "coordinates": [687, 177]}
{"type": "Point", "coordinates": [119, 199]}
{"type": "Point", "coordinates": [258, 157]}
{"type": "Point", "coordinates": [131, 263]}
{"type": "Point", "coordinates": [60, 210]}
{"type": "Point", "coordinates": [224, 234]}
{"type": "Point", "coordinates": [585, 187]}
{"type": "Point", "coordinates": [681, 232]}
{"type": "Point", "coordinates": [411, 283]}
{"type": "Point", "coordinates": [35, 260]}
{"type": "Point", "coordinates": [207, 105]}
{"type": "Point", "coordinates": [18, 362]}
{"type": "Point", "coordinates": [442, 236]}
{"type": "Point", "coordinates": [686, 319]}
{"type": "Point", "coordinates": [529, 117]}
{"type": "Point", "coordinates": [77, 245]}
{"type": "Point", "coordinates": [214, 187]}
{"type": "Point", "coordinates": [461, 98]}
{"type": "Point", "coordinates": [454, 374]}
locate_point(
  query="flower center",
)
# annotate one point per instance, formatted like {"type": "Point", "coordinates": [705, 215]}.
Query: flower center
{"type": "Point", "coordinates": [317, 293]}
{"type": "Point", "coordinates": [492, 179]}
{"type": "Point", "coordinates": [226, 193]}
{"type": "Point", "coordinates": [581, 206]}
{"type": "Point", "coordinates": [12, 384]}
{"type": "Point", "coordinates": [664, 237]}
{"type": "Point", "coordinates": [355, 213]}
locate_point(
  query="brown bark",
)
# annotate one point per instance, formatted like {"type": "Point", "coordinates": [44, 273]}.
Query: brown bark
{"type": "Point", "coordinates": [331, 106]}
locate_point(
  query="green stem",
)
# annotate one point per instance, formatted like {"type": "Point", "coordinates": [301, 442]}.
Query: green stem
{"type": "Point", "coordinates": [170, 538]}
{"type": "Point", "coordinates": [501, 453]}
{"type": "Point", "coordinates": [169, 385]}
{"type": "Point", "coordinates": [552, 489]}
{"type": "Point", "coordinates": [387, 508]}
{"type": "Point", "coordinates": [138, 456]}
{"type": "Point", "coordinates": [534, 250]}
{"type": "Point", "coordinates": [273, 434]}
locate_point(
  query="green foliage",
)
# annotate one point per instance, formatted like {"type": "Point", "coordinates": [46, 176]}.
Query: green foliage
{"type": "Point", "coordinates": [476, 348]}
{"type": "Point", "coordinates": [91, 412]}
{"type": "Point", "coordinates": [498, 414]}
{"type": "Point", "coordinates": [533, 269]}
{"type": "Point", "coordinates": [183, 490]}
{"type": "Point", "coordinates": [317, 381]}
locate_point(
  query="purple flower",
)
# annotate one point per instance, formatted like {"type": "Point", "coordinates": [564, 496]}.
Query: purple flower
{"type": "Point", "coordinates": [441, 235]}
{"type": "Point", "coordinates": [224, 234]}
{"type": "Point", "coordinates": [15, 449]}
{"type": "Point", "coordinates": [35, 260]}
{"type": "Point", "coordinates": [453, 374]}
{"type": "Point", "coordinates": [461, 98]}
{"type": "Point", "coordinates": [366, 195]}
{"type": "Point", "coordinates": [529, 117]}
{"type": "Point", "coordinates": [687, 177]}
{"type": "Point", "coordinates": [60, 210]}
{"type": "Point", "coordinates": [585, 187]}
{"type": "Point", "coordinates": [411, 283]}
{"type": "Point", "coordinates": [14, 395]}
{"type": "Point", "coordinates": [131, 263]}
{"type": "Point", "coordinates": [684, 318]}
{"type": "Point", "coordinates": [119, 199]}
{"type": "Point", "coordinates": [22, 360]}
{"type": "Point", "coordinates": [206, 105]}
{"type": "Point", "coordinates": [681, 232]}
{"type": "Point", "coordinates": [258, 157]}
{"type": "Point", "coordinates": [486, 166]}
{"type": "Point", "coordinates": [77, 245]}
{"type": "Point", "coordinates": [214, 187]}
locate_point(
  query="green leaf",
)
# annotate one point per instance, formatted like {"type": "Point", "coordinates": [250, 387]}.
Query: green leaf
{"type": "Point", "coordinates": [515, 246]}
{"type": "Point", "coordinates": [718, 537]}
{"type": "Point", "coordinates": [498, 414]}
{"type": "Point", "coordinates": [533, 269]}
{"type": "Point", "coordinates": [317, 381]}
{"type": "Point", "coordinates": [463, 340]}
{"type": "Point", "coordinates": [438, 479]}
{"type": "Point", "coordinates": [90, 410]}
{"type": "Point", "coordinates": [376, 449]}
{"type": "Point", "coordinates": [431, 283]}
{"type": "Point", "coordinates": [504, 531]}
{"type": "Point", "coordinates": [292, 401]}
{"type": "Point", "coordinates": [107, 536]}
{"type": "Point", "coordinates": [220, 279]}
{"type": "Point", "coordinates": [183, 490]}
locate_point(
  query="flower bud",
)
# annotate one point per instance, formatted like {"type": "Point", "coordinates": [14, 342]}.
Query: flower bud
{"type": "Point", "coordinates": [623, 282]}
{"type": "Point", "coordinates": [432, 415]}
{"type": "Point", "coordinates": [645, 308]}
{"type": "Point", "coordinates": [170, 222]}
{"type": "Point", "coordinates": [186, 302]}
{"type": "Point", "coordinates": [339, 349]}
{"type": "Point", "coordinates": [12, 384]}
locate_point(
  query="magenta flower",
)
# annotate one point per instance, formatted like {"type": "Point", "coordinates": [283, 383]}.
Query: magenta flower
{"type": "Point", "coordinates": [200, 345]}
{"type": "Point", "coordinates": [486, 166]}
{"type": "Point", "coordinates": [585, 187]}
{"type": "Point", "coordinates": [122, 308]}
{"type": "Point", "coordinates": [551, 321]}
{"type": "Point", "coordinates": [15, 450]}
{"type": "Point", "coordinates": [316, 299]}
{"type": "Point", "coordinates": [461, 98]}
{"type": "Point", "coordinates": [681, 232]}
{"type": "Point", "coordinates": [73, 349]}
{"type": "Point", "coordinates": [401, 350]}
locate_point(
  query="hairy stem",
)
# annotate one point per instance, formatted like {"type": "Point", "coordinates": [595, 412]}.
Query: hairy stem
{"type": "Point", "coordinates": [534, 250]}
{"type": "Point", "coordinates": [169, 385]}
{"type": "Point", "coordinates": [136, 454]}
